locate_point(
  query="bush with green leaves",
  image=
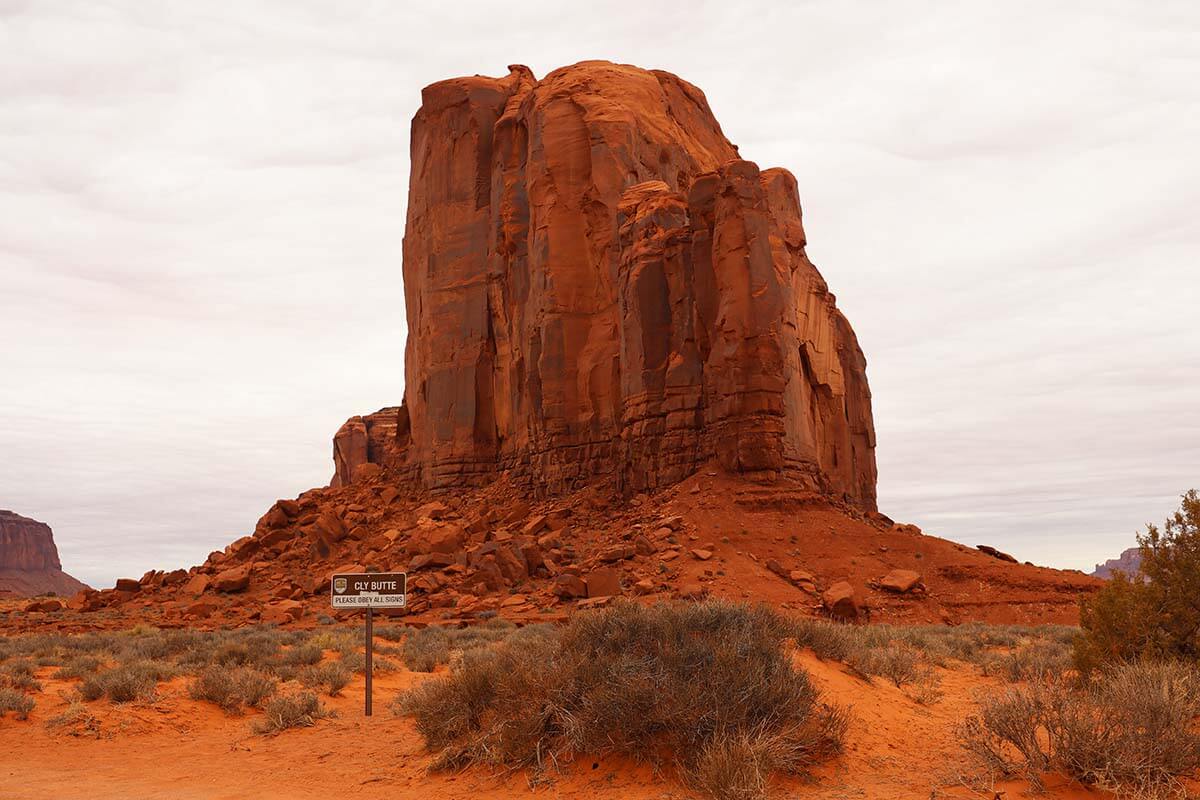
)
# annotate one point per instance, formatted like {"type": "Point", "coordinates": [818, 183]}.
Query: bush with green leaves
{"type": "Point", "coordinates": [708, 686]}
{"type": "Point", "coordinates": [1155, 613]}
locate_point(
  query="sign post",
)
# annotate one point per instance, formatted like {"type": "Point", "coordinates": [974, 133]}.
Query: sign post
{"type": "Point", "coordinates": [369, 590]}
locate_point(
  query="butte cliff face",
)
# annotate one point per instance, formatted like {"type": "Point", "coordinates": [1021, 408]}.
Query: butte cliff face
{"type": "Point", "coordinates": [597, 284]}
{"type": "Point", "coordinates": [29, 562]}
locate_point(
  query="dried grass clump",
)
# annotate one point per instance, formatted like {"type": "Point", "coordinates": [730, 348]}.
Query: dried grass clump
{"type": "Point", "coordinates": [710, 687]}
{"type": "Point", "coordinates": [298, 710]}
{"type": "Point", "coordinates": [78, 667]}
{"type": "Point", "coordinates": [232, 688]}
{"type": "Point", "coordinates": [1130, 728]}
{"type": "Point", "coordinates": [331, 676]}
{"type": "Point", "coordinates": [16, 701]}
{"type": "Point", "coordinates": [1029, 660]}
{"type": "Point", "coordinates": [127, 682]}
{"type": "Point", "coordinates": [429, 648]}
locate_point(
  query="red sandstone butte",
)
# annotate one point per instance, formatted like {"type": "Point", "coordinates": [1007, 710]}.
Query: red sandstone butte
{"type": "Point", "coordinates": [598, 284]}
{"type": "Point", "coordinates": [29, 562]}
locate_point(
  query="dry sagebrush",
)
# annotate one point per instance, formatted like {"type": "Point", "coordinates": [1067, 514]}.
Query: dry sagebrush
{"type": "Point", "coordinates": [710, 687]}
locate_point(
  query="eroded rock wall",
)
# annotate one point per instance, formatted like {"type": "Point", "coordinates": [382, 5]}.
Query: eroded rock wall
{"type": "Point", "coordinates": [597, 284]}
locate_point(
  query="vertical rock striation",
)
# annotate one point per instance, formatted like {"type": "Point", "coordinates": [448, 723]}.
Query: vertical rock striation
{"type": "Point", "coordinates": [597, 284]}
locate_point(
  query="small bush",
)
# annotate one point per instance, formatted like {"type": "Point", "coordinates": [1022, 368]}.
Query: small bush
{"type": "Point", "coordinates": [20, 681]}
{"type": "Point", "coordinates": [298, 710]}
{"type": "Point", "coordinates": [231, 689]}
{"type": "Point", "coordinates": [127, 682]}
{"type": "Point", "coordinates": [302, 655]}
{"type": "Point", "coordinates": [18, 702]}
{"type": "Point", "coordinates": [708, 685]}
{"type": "Point", "coordinates": [1152, 614]}
{"type": "Point", "coordinates": [1130, 726]}
{"type": "Point", "coordinates": [76, 719]}
{"type": "Point", "coordinates": [78, 667]}
{"type": "Point", "coordinates": [331, 676]}
{"type": "Point", "coordinates": [898, 663]}
{"type": "Point", "coordinates": [1032, 660]}
{"type": "Point", "coordinates": [427, 649]}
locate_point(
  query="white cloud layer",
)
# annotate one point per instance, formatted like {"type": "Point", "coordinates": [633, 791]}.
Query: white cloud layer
{"type": "Point", "coordinates": [202, 204]}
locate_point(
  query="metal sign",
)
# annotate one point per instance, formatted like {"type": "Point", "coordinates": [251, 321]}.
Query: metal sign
{"type": "Point", "coordinates": [368, 590]}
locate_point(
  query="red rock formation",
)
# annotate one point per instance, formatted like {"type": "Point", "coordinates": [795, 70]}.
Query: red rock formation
{"type": "Point", "coordinates": [29, 562]}
{"type": "Point", "coordinates": [377, 438]}
{"type": "Point", "coordinates": [596, 284]}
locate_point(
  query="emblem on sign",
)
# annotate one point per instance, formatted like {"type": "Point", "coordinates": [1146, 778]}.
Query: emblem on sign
{"type": "Point", "coordinates": [339, 585]}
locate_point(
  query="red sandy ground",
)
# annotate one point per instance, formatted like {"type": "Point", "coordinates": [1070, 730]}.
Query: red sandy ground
{"type": "Point", "coordinates": [179, 749]}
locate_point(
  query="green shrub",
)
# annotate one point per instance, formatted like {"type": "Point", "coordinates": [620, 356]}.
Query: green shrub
{"type": "Point", "coordinates": [1153, 614]}
{"type": "Point", "coordinates": [709, 685]}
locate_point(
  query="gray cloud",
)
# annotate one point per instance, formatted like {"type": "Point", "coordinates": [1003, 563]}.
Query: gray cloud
{"type": "Point", "coordinates": [201, 209]}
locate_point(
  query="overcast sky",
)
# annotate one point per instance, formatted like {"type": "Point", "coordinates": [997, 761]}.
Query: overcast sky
{"type": "Point", "coordinates": [202, 205]}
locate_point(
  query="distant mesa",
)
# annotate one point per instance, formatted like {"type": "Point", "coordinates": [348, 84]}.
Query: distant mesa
{"type": "Point", "coordinates": [29, 563]}
{"type": "Point", "coordinates": [1129, 562]}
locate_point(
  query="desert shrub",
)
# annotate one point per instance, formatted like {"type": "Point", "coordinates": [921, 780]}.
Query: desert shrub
{"type": "Point", "coordinates": [1154, 613]}
{"type": "Point", "coordinates": [331, 676]}
{"type": "Point", "coordinates": [232, 688]}
{"type": "Point", "coordinates": [829, 641]}
{"type": "Point", "coordinates": [734, 767]}
{"type": "Point", "coordinates": [76, 719]}
{"type": "Point", "coordinates": [126, 682]}
{"type": "Point", "coordinates": [16, 701]}
{"type": "Point", "coordinates": [19, 666]}
{"type": "Point", "coordinates": [20, 681]}
{"type": "Point", "coordinates": [1130, 726]}
{"type": "Point", "coordinates": [77, 667]}
{"type": "Point", "coordinates": [303, 654]}
{"type": "Point", "coordinates": [392, 633]}
{"type": "Point", "coordinates": [429, 648]}
{"type": "Point", "coordinates": [298, 710]}
{"type": "Point", "coordinates": [925, 687]}
{"type": "Point", "coordinates": [898, 663]}
{"type": "Point", "coordinates": [1029, 661]}
{"type": "Point", "coordinates": [702, 684]}
{"type": "Point", "coordinates": [426, 649]}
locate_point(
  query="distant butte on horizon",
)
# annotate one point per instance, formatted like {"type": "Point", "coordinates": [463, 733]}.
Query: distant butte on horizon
{"type": "Point", "coordinates": [29, 563]}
